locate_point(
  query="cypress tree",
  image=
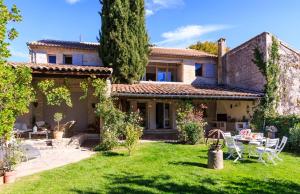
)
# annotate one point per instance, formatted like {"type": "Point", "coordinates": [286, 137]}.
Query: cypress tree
{"type": "Point", "coordinates": [123, 39]}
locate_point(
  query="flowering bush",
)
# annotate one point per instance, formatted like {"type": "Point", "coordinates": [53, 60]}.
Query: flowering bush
{"type": "Point", "coordinates": [190, 122]}
{"type": "Point", "coordinates": [133, 131]}
{"type": "Point", "coordinates": [133, 134]}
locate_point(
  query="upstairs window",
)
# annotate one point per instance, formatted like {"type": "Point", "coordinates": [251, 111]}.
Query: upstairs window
{"type": "Point", "coordinates": [150, 74]}
{"type": "Point", "coordinates": [210, 70]}
{"type": "Point", "coordinates": [166, 74]}
{"type": "Point", "coordinates": [68, 59]}
{"type": "Point", "coordinates": [52, 59]}
{"type": "Point", "coordinates": [198, 70]}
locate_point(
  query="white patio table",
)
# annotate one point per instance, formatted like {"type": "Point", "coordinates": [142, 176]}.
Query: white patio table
{"type": "Point", "coordinates": [252, 142]}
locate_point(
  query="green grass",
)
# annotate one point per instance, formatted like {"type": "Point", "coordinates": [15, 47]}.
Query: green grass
{"type": "Point", "coordinates": [163, 168]}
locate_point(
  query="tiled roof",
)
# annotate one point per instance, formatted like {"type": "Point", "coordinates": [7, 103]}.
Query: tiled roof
{"type": "Point", "coordinates": [40, 68]}
{"type": "Point", "coordinates": [159, 51]}
{"type": "Point", "coordinates": [155, 51]}
{"type": "Point", "coordinates": [65, 44]}
{"type": "Point", "coordinates": [181, 91]}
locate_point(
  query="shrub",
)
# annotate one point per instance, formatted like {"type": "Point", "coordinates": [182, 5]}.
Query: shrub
{"type": "Point", "coordinates": [58, 118]}
{"type": "Point", "coordinates": [190, 122]}
{"type": "Point", "coordinates": [132, 135]}
{"type": "Point", "coordinates": [192, 133]}
{"type": "Point", "coordinates": [283, 123]}
{"type": "Point", "coordinates": [295, 137]}
{"type": "Point", "coordinates": [287, 126]}
{"type": "Point", "coordinates": [109, 140]}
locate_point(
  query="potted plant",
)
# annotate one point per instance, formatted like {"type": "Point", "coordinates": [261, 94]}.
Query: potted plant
{"type": "Point", "coordinates": [58, 130]}
{"type": "Point", "coordinates": [12, 157]}
{"type": "Point", "coordinates": [215, 153]}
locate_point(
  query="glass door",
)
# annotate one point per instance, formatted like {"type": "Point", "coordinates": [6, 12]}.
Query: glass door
{"type": "Point", "coordinates": [163, 116]}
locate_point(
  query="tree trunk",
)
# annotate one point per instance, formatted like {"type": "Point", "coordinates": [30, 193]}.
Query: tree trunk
{"type": "Point", "coordinates": [215, 159]}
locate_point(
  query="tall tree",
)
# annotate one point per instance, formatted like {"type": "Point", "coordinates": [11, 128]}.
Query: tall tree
{"type": "Point", "coordinates": [124, 39]}
{"type": "Point", "coordinates": [207, 46]}
{"type": "Point", "coordinates": [16, 92]}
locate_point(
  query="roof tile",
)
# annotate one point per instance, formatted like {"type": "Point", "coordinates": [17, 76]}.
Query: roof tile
{"type": "Point", "coordinates": [66, 68]}
{"type": "Point", "coordinates": [180, 90]}
{"type": "Point", "coordinates": [155, 51]}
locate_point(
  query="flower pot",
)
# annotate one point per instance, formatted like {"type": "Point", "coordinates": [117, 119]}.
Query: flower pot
{"type": "Point", "coordinates": [10, 177]}
{"type": "Point", "coordinates": [58, 134]}
{"type": "Point", "coordinates": [215, 159]}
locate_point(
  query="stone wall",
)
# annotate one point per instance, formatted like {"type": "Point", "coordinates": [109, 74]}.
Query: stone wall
{"type": "Point", "coordinates": [239, 70]}
{"type": "Point", "coordinates": [289, 81]}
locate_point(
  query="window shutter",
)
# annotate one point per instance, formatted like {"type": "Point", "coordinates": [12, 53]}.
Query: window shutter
{"type": "Point", "coordinates": [210, 70]}
{"type": "Point", "coordinates": [77, 59]}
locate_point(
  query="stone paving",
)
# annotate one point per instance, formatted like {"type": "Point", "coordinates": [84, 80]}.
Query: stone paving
{"type": "Point", "coordinates": [53, 158]}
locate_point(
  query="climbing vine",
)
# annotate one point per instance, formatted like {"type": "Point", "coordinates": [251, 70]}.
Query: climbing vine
{"type": "Point", "coordinates": [271, 71]}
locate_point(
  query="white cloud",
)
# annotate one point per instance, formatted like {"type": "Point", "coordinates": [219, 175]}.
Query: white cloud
{"type": "Point", "coordinates": [186, 35]}
{"type": "Point", "coordinates": [19, 54]}
{"type": "Point", "coordinates": [155, 5]}
{"type": "Point", "coordinates": [149, 12]}
{"type": "Point", "coordinates": [72, 1]}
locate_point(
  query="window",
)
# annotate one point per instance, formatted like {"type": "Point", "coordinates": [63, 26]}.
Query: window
{"type": "Point", "coordinates": [162, 75]}
{"type": "Point", "coordinates": [163, 120]}
{"type": "Point", "coordinates": [52, 59]}
{"type": "Point", "coordinates": [151, 74]}
{"type": "Point", "coordinates": [166, 75]}
{"type": "Point", "coordinates": [210, 70]}
{"type": "Point", "coordinates": [198, 69]}
{"type": "Point", "coordinates": [68, 59]}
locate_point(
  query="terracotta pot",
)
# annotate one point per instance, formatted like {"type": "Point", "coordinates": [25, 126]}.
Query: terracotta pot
{"type": "Point", "coordinates": [58, 134]}
{"type": "Point", "coordinates": [10, 177]}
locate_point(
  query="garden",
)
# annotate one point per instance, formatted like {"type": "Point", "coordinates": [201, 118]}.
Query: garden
{"type": "Point", "coordinates": [163, 168]}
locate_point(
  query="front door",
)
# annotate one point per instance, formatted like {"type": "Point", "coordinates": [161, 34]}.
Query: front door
{"type": "Point", "coordinates": [162, 116]}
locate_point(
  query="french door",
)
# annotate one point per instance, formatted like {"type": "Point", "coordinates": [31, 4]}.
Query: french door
{"type": "Point", "coordinates": [163, 116]}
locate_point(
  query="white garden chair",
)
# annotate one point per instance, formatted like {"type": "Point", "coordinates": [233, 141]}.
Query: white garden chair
{"type": "Point", "coordinates": [234, 148]}
{"type": "Point", "coordinates": [275, 152]}
{"type": "Point", "coordinates": [258, 141]}
{"type": "Point", "coordinates": [271, 144]}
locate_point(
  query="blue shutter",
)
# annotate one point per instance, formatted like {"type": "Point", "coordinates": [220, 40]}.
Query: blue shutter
{"type": "Point", "coordinates": [210, 70]}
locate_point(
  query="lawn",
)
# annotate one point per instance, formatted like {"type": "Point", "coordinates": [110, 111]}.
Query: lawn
{"type": "Point", "coordinates": [163, 168]}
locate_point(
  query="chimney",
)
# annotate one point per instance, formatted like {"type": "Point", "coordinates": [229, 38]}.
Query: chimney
{"type": "Point", "coordinates": [221, 52]}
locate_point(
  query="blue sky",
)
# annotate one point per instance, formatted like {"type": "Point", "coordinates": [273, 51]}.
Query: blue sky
{"type": "Point", "coordinates": [170, 23]}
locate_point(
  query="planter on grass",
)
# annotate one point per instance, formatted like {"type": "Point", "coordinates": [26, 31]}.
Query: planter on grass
{"type": "Point", "coordinates": [9, 177]}
{"type": "Point", "coordinates": [215, 153]}
{"type": "Point", "coordinates": [215, 159]}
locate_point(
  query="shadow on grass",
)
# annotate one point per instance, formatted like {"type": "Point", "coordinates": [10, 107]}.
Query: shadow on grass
{"type": "Point", "coordinates": [83, 191]}
{"type": "Point", "coordinates": [132, 183]}
{"type": "Point", "coordinates": [112, 154]}
{"type": "Point", "coordinates": [196, 164]}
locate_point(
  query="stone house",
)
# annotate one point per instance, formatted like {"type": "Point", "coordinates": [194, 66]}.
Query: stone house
{"type": "Point", "coordinates": [229, 84]}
